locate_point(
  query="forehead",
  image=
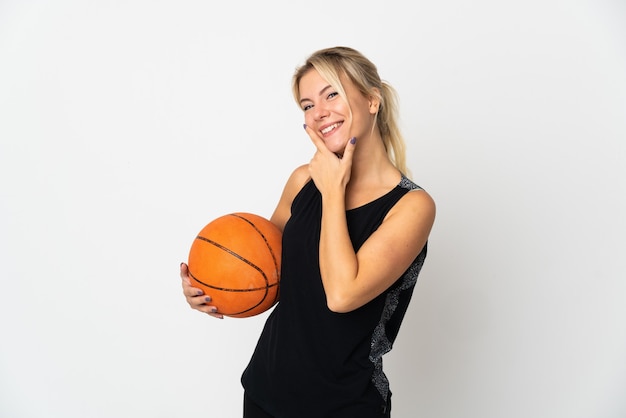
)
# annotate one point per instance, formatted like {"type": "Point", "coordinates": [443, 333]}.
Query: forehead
{"type": "Point", "coordinates": [312, 83]}
{"type": "Point", "coordinates": [312, 79]}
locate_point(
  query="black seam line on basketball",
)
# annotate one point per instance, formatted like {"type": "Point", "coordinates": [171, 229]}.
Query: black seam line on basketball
{"type": "Point", "coordinates": [234, 254]}
{"type": "Point", "coordinates": [269, 247]}
{"type": "Point", "coordinates": [266, 289]}
{"type": "Point", "coordinates": [229, 289]}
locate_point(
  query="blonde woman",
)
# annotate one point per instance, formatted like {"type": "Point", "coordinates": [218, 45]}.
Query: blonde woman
{"type": "Point", "coordinates": [355, 231]}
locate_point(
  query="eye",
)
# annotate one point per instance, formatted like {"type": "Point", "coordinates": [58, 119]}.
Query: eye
{"type": "Point", "coordinates": [307, 107]}
{"type": "Point", "coordinates": [332, 95]}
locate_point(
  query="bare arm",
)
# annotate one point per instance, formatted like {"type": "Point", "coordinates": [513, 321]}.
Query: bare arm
{"type": "Point", "coordinates": [351, 279]}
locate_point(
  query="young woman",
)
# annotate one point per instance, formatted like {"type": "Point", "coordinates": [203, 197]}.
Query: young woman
{"type": "Point", "coordinates": [355, 232]}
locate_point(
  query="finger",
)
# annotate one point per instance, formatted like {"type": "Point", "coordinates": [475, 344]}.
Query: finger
{"type": "Point", "coordinates": [188, 288]}
{"type": "Point", "coordinates": [210, 310]}
{"type": "Point", "coordinates": [348, 152]}
{"type": "Point", "coordinates": [202, 304]}
{"type": "Point", "coordinates": [195, 296]}
{"type": "Point", "coordinates": [190, 291]}
{"type": "Point", "coordinates": [317, 141]}
{"type": "Point", "coordinates": [216, 315]}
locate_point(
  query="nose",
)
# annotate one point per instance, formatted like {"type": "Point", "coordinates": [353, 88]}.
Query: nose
{"type": "Point", "coordinates": [320, 112]}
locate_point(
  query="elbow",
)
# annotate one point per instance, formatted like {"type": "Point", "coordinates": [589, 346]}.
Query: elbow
{"type": "Point", "coordinates": [339, 303]}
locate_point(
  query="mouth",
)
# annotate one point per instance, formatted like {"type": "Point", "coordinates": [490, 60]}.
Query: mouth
{"type": "Point", "coordinates": [330, 128]}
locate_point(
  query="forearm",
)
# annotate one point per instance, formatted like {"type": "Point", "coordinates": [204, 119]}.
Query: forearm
{"type": "Point", "coordinates": [338, 261]}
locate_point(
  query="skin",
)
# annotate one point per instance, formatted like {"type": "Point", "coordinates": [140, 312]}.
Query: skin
{"type": "Point", "coordinates": [350, 168]}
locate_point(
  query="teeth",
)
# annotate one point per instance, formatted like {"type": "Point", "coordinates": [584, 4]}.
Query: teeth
{"type": "Point", "coordinates": [329, 128]}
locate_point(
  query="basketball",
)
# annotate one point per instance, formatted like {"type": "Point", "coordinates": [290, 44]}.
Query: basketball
{"type": "Point", "coordinates": [235, 259]}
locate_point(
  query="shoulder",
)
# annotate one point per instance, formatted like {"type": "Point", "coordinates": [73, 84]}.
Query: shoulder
{"type": "Point", "coordinates": [299, 177]}
{"type": "Point", "coordinates": [417, 204]}
{"type": "Point", "coordinates": [419, 199]}
{"type": "Point", "coordinates": [295, 182]}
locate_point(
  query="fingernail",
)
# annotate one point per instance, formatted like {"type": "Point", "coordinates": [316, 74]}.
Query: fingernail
{"type": "Point", "coordinates": [199, 292]}
{"type": "Point", "coordinates": [207, 299]}
{"type": "Point", "coordinates": [353, 140]}
{"type": "Point", "coordinates": [304, 126]}
{"type": "Point", "coordinates": [213, 310]}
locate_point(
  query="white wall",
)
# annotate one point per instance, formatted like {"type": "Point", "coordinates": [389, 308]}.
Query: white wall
{"type": "Point", "coordinates": [126, 126]}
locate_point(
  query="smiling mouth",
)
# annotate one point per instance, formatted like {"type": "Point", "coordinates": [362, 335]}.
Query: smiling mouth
{"type": "Point", "coordinates": [331, 128]}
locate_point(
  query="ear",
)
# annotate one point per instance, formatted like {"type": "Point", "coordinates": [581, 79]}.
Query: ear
{"type": "Point", "coordinates": [374, 102]}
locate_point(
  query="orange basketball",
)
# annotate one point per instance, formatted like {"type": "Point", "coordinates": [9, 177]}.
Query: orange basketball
{"type": "Point", "coordinates": [235, 259]}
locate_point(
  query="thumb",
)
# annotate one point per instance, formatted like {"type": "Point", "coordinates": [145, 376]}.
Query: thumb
{"type": "Point", "coordinates": [184, 272]}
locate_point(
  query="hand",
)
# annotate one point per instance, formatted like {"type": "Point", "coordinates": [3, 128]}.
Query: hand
{"type": "Point", "coordinates": [195, 296]}
{"type": "Point", "coordinates": [327, 169]}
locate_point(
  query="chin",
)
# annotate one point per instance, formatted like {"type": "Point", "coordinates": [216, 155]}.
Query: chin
{"type": "Point", "coordinates": [337, 148]}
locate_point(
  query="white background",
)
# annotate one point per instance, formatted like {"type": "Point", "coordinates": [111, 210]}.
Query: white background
{"type": "Point", "coordinates": [126, 126]}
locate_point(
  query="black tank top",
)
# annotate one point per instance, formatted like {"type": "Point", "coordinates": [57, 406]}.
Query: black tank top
{"type": "Point", "coordinates": [310, 361]}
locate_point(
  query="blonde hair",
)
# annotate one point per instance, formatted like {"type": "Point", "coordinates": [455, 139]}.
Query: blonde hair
{"type": "Point", "coordinates": [330, 63]}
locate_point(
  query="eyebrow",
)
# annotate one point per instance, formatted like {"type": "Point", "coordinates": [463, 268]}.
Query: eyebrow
{"type": "Point", "coordinates": [304, 99]}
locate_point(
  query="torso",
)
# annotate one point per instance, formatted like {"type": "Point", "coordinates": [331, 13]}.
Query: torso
{"type": "Point", "coordinates": [308, 353]}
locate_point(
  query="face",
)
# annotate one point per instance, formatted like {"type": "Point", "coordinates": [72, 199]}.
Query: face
{"type": "Point", "coordinates": [329, 114]}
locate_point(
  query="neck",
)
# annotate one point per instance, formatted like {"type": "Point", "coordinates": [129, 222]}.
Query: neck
{"type": "Point", "coordinates": [371, 164]}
